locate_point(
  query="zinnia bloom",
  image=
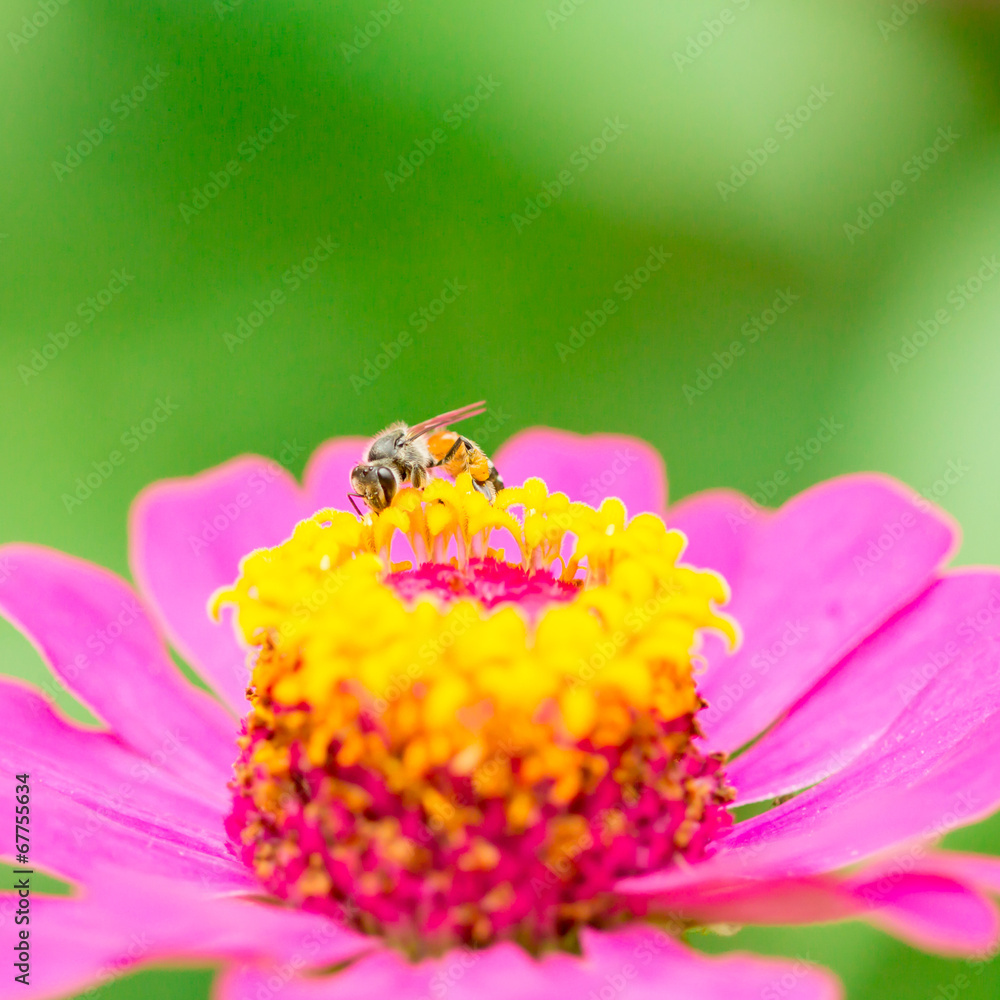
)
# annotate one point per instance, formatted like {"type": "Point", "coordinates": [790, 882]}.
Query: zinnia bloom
{"type": "Point", "coordinates": [472, 750]}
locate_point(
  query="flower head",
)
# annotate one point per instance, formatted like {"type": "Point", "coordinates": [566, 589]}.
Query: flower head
{"type": "Point", "coordinates": [485, 748]}
{"type": "Point", "coordinates": [452, 769]}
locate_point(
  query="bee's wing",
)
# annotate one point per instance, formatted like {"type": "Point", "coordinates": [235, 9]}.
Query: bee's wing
{"type": "Point", "coordinates": [452, 417]}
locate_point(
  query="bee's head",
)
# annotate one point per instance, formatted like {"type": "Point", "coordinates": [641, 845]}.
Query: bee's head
{"type": "Point", "coordinates": [375, 483]}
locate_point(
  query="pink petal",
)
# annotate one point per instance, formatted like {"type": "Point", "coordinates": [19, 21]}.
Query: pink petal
{"type": "Point", "coordinates": [937, 767]}
{"type": "Point", "coordinates": [91, 629]}
{"type": "Point", "coordinates": [86, 844]}
{"type": "Point", "coordinates": [98, 802]}
{"type": "Point", "coordinates": [806, 588]}
{"type": "Point", "coordinates": [327, 478]}
{"type": "Point", "coordinates": [852, 706]}
{"type": "Point", "coordinates": [69, 950]}
{"type": "Point", "coordinates": [981, 870]}
{"type": "Point", "coordinates": [187, 537]}
{"type": "Point", "coordinates": [587, 468]}
{"type": "Point", "coordinates": [641, 963]}
{"type": "Point", "coordinates": [930, 911]}
{"type": "Point", "coordinates": [82, 942]}
{"type": "Point", "coordinates": [717, 524]}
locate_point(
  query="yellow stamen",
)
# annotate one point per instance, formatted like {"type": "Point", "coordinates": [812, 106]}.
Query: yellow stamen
{"type": "Point", "coordinates": [455, 686]}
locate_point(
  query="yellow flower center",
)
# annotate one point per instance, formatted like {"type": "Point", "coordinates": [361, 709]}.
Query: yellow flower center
{"type": "Point", "coordinates": [454, 705]}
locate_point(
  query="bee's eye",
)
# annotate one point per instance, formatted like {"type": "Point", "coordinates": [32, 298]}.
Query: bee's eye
{"type": "Point", "coordinates": [387, 481]}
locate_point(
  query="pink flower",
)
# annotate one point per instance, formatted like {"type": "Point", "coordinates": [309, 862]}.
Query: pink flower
{"type": "Point", "coordinates": [870, 669]}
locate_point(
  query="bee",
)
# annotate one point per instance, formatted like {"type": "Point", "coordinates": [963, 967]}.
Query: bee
{"type": "Point", "coordinates": [401, 455]}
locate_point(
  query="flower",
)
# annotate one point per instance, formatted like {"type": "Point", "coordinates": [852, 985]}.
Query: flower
{"type": "Point", "coordinates": [500, 773]}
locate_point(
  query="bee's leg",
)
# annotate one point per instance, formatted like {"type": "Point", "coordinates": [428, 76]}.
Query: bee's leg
{"type": "Point", "coordinates": [487, 489]}
{"type": "Point", "coordinates": [418, 476]}
{"type": "Point", "coordinates": [452, 452]}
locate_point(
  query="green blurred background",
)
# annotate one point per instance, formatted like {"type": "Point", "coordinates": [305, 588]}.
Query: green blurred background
{"type": "Point", "coordinates": [176, 91]}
